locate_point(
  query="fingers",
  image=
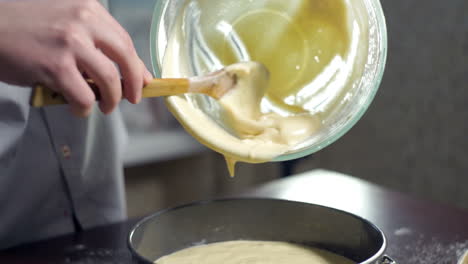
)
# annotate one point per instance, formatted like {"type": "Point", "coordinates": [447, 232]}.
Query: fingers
{"type": "Point", "coordinates": [103, 42]}
{"type": "Point", "coordinates": [76, 91]}
{"type": "Point", "coordinates": [147, 76]}
{"type": "Point", "coordinates": [115, 43]}
{"type": "Point", "coordinates": [105, 74]}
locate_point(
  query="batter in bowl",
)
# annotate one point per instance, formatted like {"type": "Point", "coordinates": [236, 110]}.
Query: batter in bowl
{"type": "Point", "coordinates": [261, 135]}
{"type": "Point", "coordinates": [252, 252]}
{"type": "Point", "coordinates": [310, 48]}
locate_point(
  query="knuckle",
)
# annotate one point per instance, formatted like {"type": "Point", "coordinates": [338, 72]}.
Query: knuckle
{"type": "Point", "coordinates": [72, 38]}
{"type": "Point", "coordinates": [126, 45]}
{"type": "Point", "coordinates": [84, 10]}
{"type": "Point", "coordinates": [111, 77]}
{"type": "Point", "coordinates": [58, 67]}
{"type": "Point", "coordinates": [128, 41]}
{"type": "Point", "coordinates": [68, 35]}
{"type": "Point", "coordinates": [125, 48]}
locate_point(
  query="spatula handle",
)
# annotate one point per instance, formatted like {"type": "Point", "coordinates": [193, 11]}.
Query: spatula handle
{"type": "Point", "coordinates": [44, 96]}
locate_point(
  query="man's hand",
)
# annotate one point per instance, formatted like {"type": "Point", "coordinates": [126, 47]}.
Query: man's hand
{"type": "Point", "coordinates": [55, 42]}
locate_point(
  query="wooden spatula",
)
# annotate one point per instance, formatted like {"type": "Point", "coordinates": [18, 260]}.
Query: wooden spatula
{"type": "Point", "coordinates": [215, 84]}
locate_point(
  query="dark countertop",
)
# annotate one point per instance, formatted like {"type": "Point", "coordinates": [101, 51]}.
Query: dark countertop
{"type": "Point", "coordinates": [418, 231]}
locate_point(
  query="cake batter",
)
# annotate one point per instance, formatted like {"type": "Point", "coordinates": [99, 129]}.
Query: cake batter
{"type": "Point", "coordinates": [309, 47]}
{"type": "Point", "coordinates": [252, 252]}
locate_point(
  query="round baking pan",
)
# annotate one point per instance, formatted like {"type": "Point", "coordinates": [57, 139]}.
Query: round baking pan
{"type": "Point", "coordinates": [312, 225]}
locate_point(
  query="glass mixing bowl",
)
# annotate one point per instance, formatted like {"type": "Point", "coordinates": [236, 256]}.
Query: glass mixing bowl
{"type": "Point", "coordinates": [347, 111]}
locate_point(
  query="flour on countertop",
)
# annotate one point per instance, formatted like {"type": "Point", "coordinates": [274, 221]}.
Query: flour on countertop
{"type": "Point", "coordinates": [403, 231]}
{"type": "Point", "coordinates": [420, 251]}
{"type": "Point", "coordinates": [84, 255]}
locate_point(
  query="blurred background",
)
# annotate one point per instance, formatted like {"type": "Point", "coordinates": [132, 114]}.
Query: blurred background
{"type": "Point", "coordinates": [413, 138]}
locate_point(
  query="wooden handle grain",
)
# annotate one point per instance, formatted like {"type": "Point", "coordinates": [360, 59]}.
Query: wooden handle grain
{"type": "Point", "coordinates": [43, 96]}
{"type": "Point", "coordinates": [166, 87]}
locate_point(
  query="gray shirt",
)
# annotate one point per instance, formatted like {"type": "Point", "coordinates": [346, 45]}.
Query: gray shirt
{"type": "Point", "coordinates": [54, 167]}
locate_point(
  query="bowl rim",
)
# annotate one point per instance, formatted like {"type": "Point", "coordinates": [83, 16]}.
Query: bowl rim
{"type": "Point", "coordinates": [377, 77]}
{"type": "Point", "coordinates": [374, 259]}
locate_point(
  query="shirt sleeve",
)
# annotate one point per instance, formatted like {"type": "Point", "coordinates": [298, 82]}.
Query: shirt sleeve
{"type": "Point", "coordinates": [14, 114]}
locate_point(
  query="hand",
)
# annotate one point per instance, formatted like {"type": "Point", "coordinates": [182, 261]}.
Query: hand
{"type": "Point", "coordinates": [55, 42]}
